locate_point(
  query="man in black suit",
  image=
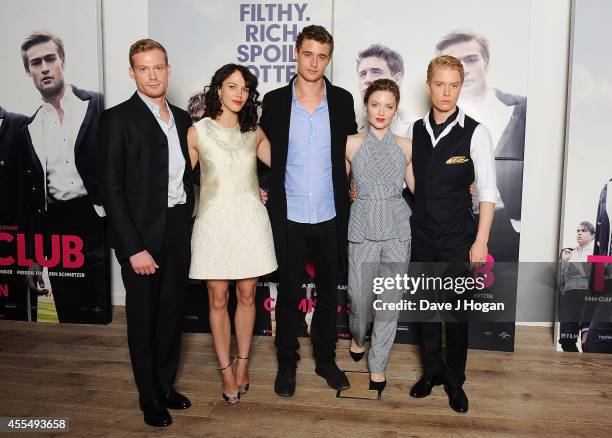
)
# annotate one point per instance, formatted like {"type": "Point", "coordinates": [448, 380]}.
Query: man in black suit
{"type": "Point", "coordinates": [11, 166]}
{"type": "Point", "coordinates": [148, 197]}
{"type": "Point", "coordinates": [61, 183]}
{"type": "Point", "coordinates": [307, 123]}
{"type": "Point", "coordinates": [13, 306]}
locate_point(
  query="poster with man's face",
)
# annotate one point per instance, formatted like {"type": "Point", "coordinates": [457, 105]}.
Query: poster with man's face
{"type": "Point", "coordinates": [53, 251]}
{"type": "Point", "coordinates": [413, 33]}
{"type": "Point", "coordinates": [398, 41]}
{"type": "Point", "coordinates": [260, 35]}
{"type": "Point", "coordinates": [584, 298]}
{"type": "Point", "coordinates": [76, 22]}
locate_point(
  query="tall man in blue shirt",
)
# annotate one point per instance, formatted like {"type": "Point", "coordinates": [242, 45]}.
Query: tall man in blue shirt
{"type": "Point", "coordinates": [307, 123]}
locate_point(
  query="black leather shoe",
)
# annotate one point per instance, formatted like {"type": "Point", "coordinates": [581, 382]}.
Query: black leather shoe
{"type": "Point", "coordinates": [172, 399]}
{"type": "Point", "coordinates": [423, 387]}
{"type": "Point", "coordinates": [284, 385]}
{"type": "Point", "coordinates": [155, 413]}
{"type": "Point", "coordinates": [457, 399]}
{"type": "Point", "coordinates": [332, 375]}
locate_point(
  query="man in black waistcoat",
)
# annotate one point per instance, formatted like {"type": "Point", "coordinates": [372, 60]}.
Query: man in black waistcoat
{"type": "Point", "coordinates": [450, 151]}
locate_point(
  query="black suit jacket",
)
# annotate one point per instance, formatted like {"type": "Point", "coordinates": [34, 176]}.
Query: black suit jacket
{"type": "Point", "coordinates": [275, 120]}
{"type": "Point", "coordinates": [134, 158]}
{"type": "Point", "coordinates": [84, 155]}
{"type": "Point", "coordinates": [11, 166]}
{"type": "Point", "coordinates": [600, 247]}
{"type": "Point", "coordinates": [509, 154]}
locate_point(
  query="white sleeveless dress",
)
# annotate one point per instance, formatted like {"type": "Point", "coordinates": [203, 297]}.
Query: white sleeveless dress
{"type": "Point", "coordinates": [232, 236]}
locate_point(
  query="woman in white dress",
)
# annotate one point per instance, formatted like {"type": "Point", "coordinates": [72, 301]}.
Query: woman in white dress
{"type": "Point", "coordinates": [232, 236]}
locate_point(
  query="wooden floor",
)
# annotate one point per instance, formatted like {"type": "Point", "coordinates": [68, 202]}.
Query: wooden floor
{"type": "Point", "coordinates": [84, 372]}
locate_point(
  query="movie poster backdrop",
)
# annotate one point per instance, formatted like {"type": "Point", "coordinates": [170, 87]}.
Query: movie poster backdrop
{"type": "Point", "coordinates": [261, 35]}
{"type": "Point", "coordinates": [53, 258]}
{"type": "Point", "coordinates": [585, 279]}
{"type": "Point", "coordinates": [397, 40]}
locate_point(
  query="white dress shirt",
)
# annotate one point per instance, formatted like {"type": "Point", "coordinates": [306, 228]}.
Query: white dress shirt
{"type": "Point", "coordinates": [580, 255]}
{"type": "Point", "coordinates": [63, 179]}
{"type": "Point", "coordinates": [176, 160]}
{"type": "Point", "coordinates": [493, 113]}
{"type": "Point", "coordinates": [481, 152]}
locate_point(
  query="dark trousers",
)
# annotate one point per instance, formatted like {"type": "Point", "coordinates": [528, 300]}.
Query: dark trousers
{"type": "Point", "coordinates": [450, 248]}
{"type": "Point", "coordinates": [14, 304]}
{"type": "Point", "coordinates": [320, 243]}
{"type": "Point", "coordinates": [80, 299]}
{"type": "Point", "coordinates": [155, 308]}
{"type": "Point", "coordinates": [571, 303]}
{"type": "Point", "coordinates": [599, 338]}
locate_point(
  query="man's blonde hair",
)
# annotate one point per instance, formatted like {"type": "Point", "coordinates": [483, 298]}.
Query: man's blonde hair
{"type": "Point", "coordinates": [444, 61]}
{"type": "Point", "coordinates": [145, 45]}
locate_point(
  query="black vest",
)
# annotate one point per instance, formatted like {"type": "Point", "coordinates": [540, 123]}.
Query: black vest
{"type": "Point", "coordinates": [443, 175]}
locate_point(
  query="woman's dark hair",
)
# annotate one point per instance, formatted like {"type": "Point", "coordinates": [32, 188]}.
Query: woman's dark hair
{"type": "Point", "coordinates": [382, 85]}
{"type": "Point", "coordinates": [247, 117]}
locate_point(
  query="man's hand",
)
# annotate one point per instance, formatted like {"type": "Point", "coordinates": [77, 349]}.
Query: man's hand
{"type": "Point", "coordinates": [566, 254]}
{"type": "Point", "coordinates": [263, 195]}
{"type": "Point", "coordinates": [143, 264]}
{"type": "Point", "coordinates": [584, 336]}
{"type": "Point", "coordinates": [479, 250]}
{"type": "Point", "coordinates": [472, 190]}
{"type": "Point", "coordinates": [478, 253]}
{"type": "Point", "coordinates": [35, 281]}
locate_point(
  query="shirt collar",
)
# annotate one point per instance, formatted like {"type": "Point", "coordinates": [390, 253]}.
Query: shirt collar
{"type": "Point", "coordinates": [459, 119]}
{"type": "Point", "coordinates": [67, 99]}
{"type": "Point", "coordinates": [294, 95]}
{"type": "Point", "coordinates": [155, 108]}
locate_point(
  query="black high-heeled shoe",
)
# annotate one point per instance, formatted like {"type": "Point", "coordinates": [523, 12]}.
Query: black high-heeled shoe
{"type": "Point", "coordinates": [233, 397]}
{"type": "Point", "coordinates": [377, 386]}
{"type": "Point", "coordinates": [356, 356]}
{"type": "Point", "coordinates": [245, 386]}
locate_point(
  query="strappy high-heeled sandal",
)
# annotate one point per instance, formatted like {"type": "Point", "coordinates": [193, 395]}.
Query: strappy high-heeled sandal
{"type": "Point", "coordinates": [233, 397]}
{"type": "Point", "coordinates": [245, 386]}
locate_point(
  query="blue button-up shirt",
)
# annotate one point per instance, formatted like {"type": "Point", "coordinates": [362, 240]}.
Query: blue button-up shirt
{"type": "Point", "coordinates": [308, 177]}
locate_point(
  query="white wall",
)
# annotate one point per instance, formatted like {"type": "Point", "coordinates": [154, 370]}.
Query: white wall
{"type": "Point", "coordinates": [544, 153]}
{"type": "Point", "coordinates": [125, 22]}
